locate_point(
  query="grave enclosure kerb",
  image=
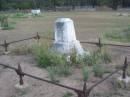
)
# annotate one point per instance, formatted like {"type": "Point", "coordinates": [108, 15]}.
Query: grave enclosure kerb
{"type": "Point", "coordinates": [85, 92]}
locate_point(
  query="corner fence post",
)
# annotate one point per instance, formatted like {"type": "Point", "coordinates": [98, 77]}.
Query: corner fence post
{"type": "Point", "coordinates": [85, 92]}
{"type": "Point", "coordinates": [20, 73]}
{"type": "Point", "coordinates": [6, 46]}
{"type": "Point", "coordinates": [124, 68]}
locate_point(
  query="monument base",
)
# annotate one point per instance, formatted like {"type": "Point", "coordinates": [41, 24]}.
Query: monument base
{"type": "Point", "coordinates": [21, 87]}
{"type": "Point", "coordinates": [66, 47]}
{"type": "Point", "coordinates": [126, 80]}
{"type": "Point", "coordinates": [122, 83]}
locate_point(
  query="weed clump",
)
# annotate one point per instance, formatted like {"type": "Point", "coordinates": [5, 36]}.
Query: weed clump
{"type": "Point", "coordinates": [85, 73]}
{"type": "Point", "coordinates": [67, 94]}
{"type": "Point", "coordinates": [55, 63]}
{"type": "Point", "coordinates": [98, 70]}
{"type": "Point", "coordinates": [47, 57]}
{"type": "Point", "coordinates": [4, 23]}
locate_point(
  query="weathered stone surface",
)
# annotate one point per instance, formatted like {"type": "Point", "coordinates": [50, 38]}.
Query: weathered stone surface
{"type": "Point", "coordinates": [65, 37]}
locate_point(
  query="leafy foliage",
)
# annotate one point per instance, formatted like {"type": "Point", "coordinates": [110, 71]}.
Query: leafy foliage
{"type": "Point", "coordinates": [27, 4]}
{"type": "Point", "coordinates": [94, 58]}
{"type": "Point", "coordinates": [98, 70]}
{"type": "Point", "coordinates": [48, 57]}
{"type": "Point", "coordinates": [4, 23]}
{"type": "Point", "coordinates": [54, 62]}
{"type": "Point", "coordinates": [85, 73]}
{"type": "Point", "coordinates": [52, 75]}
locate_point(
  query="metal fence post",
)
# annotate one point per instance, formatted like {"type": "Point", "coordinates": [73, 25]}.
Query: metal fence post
{"type": "Point", "coordinates": [85, 92]}
{"type": "Point", "coordinates": [124, 69]}
{"type": "Point", "coordinates": [100, 44]}
{"type": "Point", "coordinates": [38, 37]}
{"type": "Point", "coordinates": [20, 73]}
{"type": "Point", "coordinates": [6, 46]}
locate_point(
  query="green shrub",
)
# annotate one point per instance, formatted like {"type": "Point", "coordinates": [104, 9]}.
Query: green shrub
{"type": "Point", "coordinates": [94, 58]}
{"type": "Point", "coordinates": [4, 23]}
{"type": "Point", "coordinates": [48, 57]}
{"type": "Point", "coordinates": [98, 70]}
{"type": "Point", "coordinates": [20, 15]}
{"type": "Point", "coordinates": [88, 60]}
{"type": "Point", "coordinates": [60, 70]}
{"type": "Point", "coordinates": [52, 75]}
{"type": "Point", "coordinates": [85, 73]}
{"type": "Point", "coordinates": [73, 56]}
{"type": "Point", "coordinates": [106, 58]}
{"type": "Point", "coordinates": [67, 94]}
{"type": "Point", "coordinates": [54, 62]}
{"type": "Point", "coordinates": [97, 57]}
{"type": "Point", "coordinates": [64, 70]}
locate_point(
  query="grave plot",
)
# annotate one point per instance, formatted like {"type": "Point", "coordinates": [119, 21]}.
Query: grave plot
{"type": "Point", "coordinates": [91, 69]}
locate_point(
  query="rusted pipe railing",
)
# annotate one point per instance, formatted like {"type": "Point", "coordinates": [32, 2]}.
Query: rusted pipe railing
{"type": "Point", "coordinates": [6, 44]}
{"type": "Point", "coordinates": [100, 44]}
{"type": "Point", "coordinates": [85, 92]}
{"type": "Point", "coordinates": [124, 68]}
{"type": "Point", "coordinates": [21, 74]}
{"type": "Point", "coordinates": [38, 37]}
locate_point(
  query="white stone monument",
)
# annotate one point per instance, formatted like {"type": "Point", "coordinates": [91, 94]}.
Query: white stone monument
{"type": "Point", "coordinates": [36, 11]}
{"type": "Point", "coordinates": [65, 38]}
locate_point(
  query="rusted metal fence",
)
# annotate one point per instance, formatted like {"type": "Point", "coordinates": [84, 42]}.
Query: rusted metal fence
{"type": "Point", "coordinates": [38, 37]}
{"type": "Point", "coordinates": [85, 92]}
{"type": "Point", "coordinates": [6, 44]}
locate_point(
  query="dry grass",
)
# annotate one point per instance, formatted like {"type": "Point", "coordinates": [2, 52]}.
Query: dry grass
{"type": "Point", "coordinates": [89, 25]}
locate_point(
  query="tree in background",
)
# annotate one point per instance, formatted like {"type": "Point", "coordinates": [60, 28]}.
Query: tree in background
{"type": "Point", "coordinates": [0, 5]}
{"type": "Point", "coordinates": [115, 4]}
{"type": "Point", "coordinates": [29, 4]}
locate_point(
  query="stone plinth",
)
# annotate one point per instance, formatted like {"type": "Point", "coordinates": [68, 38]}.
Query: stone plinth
{"type": "Point", "coordinates": [126, 80]}
{"type": "Point", "coordinates": [65, 37]}
{"type": "Point", "coordinates": [23, 87]}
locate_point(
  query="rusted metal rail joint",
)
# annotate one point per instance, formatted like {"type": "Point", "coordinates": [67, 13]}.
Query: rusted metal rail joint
{"type": "Point", "coordinates": [123, 68]}
{"type": "Point", "coordinates": [22, 74]}
{"type": "Point", "coordinates": [85, 92]}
